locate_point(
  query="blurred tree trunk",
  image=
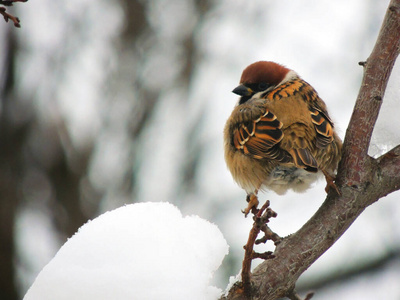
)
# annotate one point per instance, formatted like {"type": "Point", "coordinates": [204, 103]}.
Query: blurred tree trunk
{"type": "Point", "coordinates": [137, 42]}
{"type": "Point", "coordinates": [11, 142]}
{"type": "Point", "coordinates": [66, 174]}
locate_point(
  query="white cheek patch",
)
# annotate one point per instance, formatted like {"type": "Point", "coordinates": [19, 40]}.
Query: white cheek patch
{"type": "Point", "coordinates": [291, 75]}
{"type": "Point", "coordinates": [259, 95]}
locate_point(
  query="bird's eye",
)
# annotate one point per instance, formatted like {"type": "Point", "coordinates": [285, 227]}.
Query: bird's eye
{"type": "Point", "coordinates": [262, 86]}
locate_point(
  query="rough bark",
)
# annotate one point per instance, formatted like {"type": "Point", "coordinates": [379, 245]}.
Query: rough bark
{"type": "Point", "coordinates": [362, 180]}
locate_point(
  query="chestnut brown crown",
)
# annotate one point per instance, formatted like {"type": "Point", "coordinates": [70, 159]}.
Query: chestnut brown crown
{"type": "Point", "coordinates": [264, 71]}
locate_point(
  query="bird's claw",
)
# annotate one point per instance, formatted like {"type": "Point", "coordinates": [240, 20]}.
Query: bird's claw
{"type": "Point", "coordinates": [252, 204]}
{"type": "Point", "coordinates": [331, 184]}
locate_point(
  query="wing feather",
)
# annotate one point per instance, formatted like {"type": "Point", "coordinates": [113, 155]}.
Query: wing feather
{"type": "Point", "coordinates": [323, 126]}
{"type": "Point", "coordinates": [260, 138]}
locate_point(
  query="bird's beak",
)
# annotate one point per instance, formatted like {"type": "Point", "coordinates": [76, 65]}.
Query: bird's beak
{"type": "Point", "coordinates": [242, 90]}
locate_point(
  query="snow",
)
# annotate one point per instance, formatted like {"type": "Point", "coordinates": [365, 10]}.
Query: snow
{"type": "Point", "coordinates": [139, 251]}
{"type": "Point", "coordinates": [386, 134]}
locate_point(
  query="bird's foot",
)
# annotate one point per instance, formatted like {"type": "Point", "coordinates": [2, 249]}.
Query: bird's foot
{"type": "Point", "coordinates": [330, 183]}
{"type": "Point", "coordinates": [252, 200]}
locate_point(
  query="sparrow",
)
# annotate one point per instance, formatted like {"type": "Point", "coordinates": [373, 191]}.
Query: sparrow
{"type": "Point", "coordinates": [279, 135]}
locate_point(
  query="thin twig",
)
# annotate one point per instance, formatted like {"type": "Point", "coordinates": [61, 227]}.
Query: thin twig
{"type": "Point", "coordinates": [261, 218]}
{"type": "Point", "coordinates": [10, 2]}
{"type": "Point", "coordinates": [8, 16]}
{"type": "Point", "coordinates": [248, 257]}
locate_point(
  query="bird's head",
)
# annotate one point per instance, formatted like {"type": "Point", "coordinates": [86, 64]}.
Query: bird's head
{"type": "Point", "coordinates": [261, 77]}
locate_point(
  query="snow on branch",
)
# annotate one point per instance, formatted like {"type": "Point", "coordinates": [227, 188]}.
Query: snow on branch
{"type": "Point", "coordinates": [8, 16]}
{"type": "Point", "coordinates": [361, 179]}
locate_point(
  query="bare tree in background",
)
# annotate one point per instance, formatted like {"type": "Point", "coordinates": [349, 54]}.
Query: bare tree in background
{"type": "Point", "coordinates": [38, 158]}
{"type": "Point", "coordinates": [24, 165]}
{"type": "Point", "coordinates": [12, 134]}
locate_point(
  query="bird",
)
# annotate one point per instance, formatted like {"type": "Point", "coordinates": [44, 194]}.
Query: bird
{"type": "Point", "coordinates": [279, 135]}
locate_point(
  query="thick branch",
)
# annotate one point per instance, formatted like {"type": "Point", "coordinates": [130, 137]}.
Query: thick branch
{"type": "Point", "coordinates": [377, 71]}
{"type": "Point", "coordinates": [388, 173]}
{"type": "Point", "coordinates": [361, 179]}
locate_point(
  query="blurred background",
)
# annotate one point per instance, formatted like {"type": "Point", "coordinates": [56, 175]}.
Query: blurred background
{"type": "Point", "coordinates": [109, 102]}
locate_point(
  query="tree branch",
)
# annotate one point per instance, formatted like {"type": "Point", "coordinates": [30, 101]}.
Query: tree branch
{"type": "Point", "coordinates": [261, 218]}
{"type": "Point", "coordinates": [8, 16]}
{"type": "Point", "coordinates": [361, 179]}
{"type": "Point", "coordinates": [388, 172]}
{"type": "Point", "coordinates": [373, 266]}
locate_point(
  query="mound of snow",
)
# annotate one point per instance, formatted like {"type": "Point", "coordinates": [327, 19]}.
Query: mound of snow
{"type": "Point", "coordinates": [139, 251]}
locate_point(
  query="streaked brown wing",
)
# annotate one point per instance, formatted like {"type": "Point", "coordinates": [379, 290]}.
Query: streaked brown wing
{"type": "Point", "coordinates": [304, 159]}
{"type": "Point", "coordinates": [260, 138]}
{"type": "Point", "coordinates": [323, 126]}
{"type": "Point", "coordinates": [298, 142]}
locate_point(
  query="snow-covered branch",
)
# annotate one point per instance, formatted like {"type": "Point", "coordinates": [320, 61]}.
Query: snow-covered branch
{"type": "Point", "coordinates": [362, 180]}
